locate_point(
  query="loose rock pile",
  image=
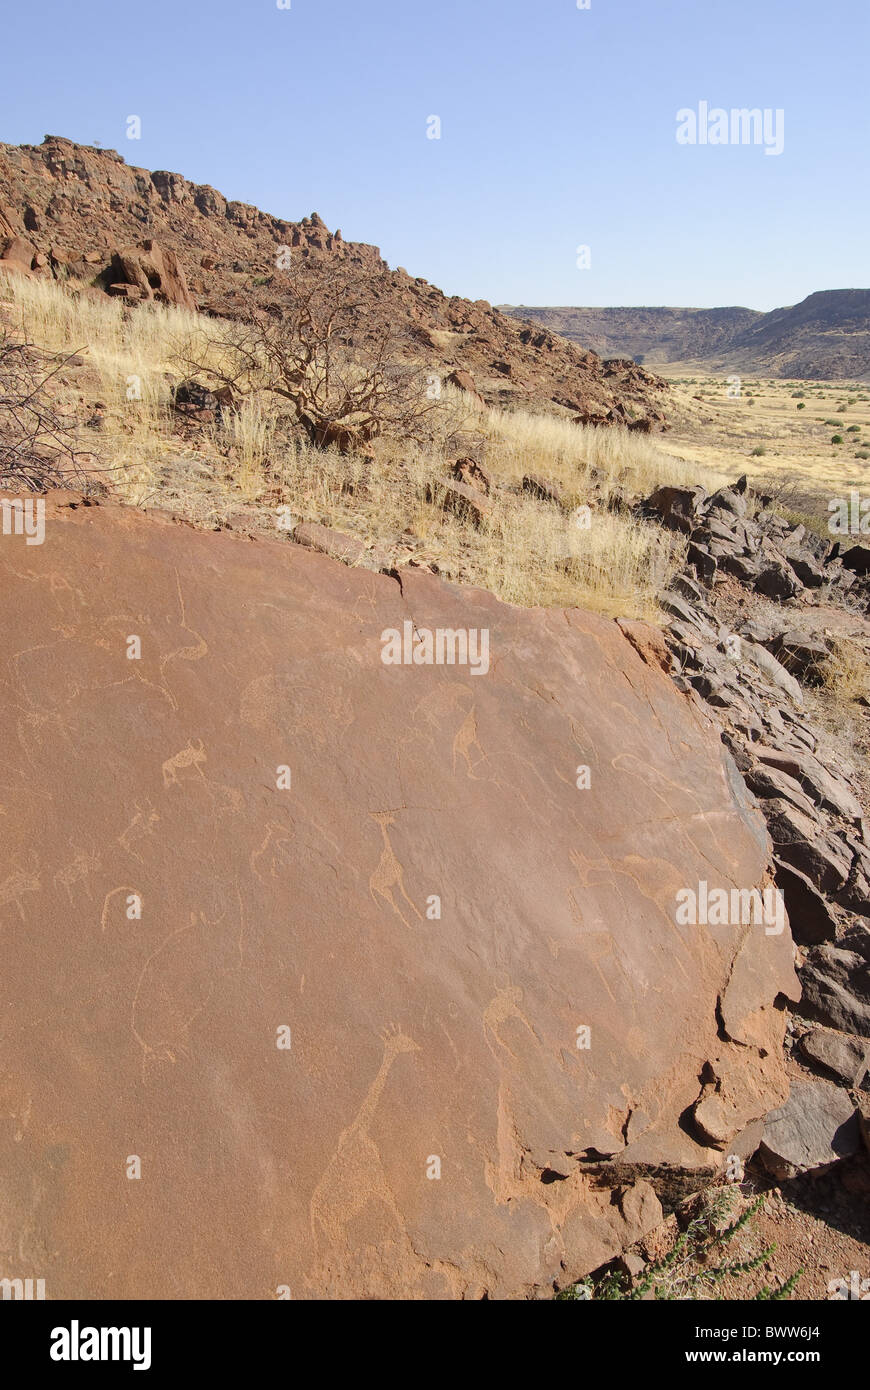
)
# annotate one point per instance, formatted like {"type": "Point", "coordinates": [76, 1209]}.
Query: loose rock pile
{"type": "Point", "coordinates": [754, 674]}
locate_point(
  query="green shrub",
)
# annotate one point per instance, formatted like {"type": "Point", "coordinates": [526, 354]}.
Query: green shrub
{"type": "Point", "coordinates": [836, 439]}
{"type": "Point", "coordinates": [758, 451]}
{"type": "Point", "coordinates": [695, 1267]}
{"type": "Point", "coordinates": [801, 406]}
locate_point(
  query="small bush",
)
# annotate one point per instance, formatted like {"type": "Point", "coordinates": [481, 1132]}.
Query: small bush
{"type": "Point", "coordinates": [801, 406]}
{"type": "Point", "coordinates": [758, 451]}
{"type": "Point", "coordinates": [836, 439]}
{"type": "Point", "coordinates": [696, 1266]}
{"type": "Point", "coordinates": [36, 441]}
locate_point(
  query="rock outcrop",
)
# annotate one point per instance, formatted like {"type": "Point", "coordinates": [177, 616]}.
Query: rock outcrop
{"type": "Point", "coordinates": [146, 272]}
{"type": "Point", "coordinates": [754, 666]}
{"type": "Point", "coordinates": [382, 996]}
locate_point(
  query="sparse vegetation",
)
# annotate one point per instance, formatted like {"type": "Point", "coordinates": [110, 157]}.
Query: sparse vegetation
{"type": "Point", "coordinates": [258, 454]}
{"type": "Point", "coordinates": [698, 1263]}
{"type": "Point", "coordinates": [334, 360]}
{"type": "Point", "coordinates": [37, 447]}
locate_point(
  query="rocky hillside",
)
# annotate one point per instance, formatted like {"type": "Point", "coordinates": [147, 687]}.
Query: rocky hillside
{"type": "Point", "coordinates": [825, 337]}
{"type": "Point", "coordinates": [72, 210]}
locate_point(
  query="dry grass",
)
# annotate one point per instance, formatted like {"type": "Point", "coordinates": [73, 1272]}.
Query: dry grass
{"type": "Point", "coordinates": [526, 551]}
{"type": "Point", "coordinates": [847, 671]}
{"type": "Point", "coordinates": [712, 427]}
{"type": "Point", "coordinates": [577, 455]}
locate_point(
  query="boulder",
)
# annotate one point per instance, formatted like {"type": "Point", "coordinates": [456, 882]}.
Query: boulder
{"type": "Point", "coordinates": [464, 381]}
{"type": "Point", "coordinates": [133, 293]}
{"type": "Point", "coordinates": [845, 1058]}
{"type": "Point", "coordinates": [155, 271]}
{"type": "Point", "coordinates": [815, 1128]}
{"type": "Point", "coordinates": [730, 500]}
{"type": "Point", "coordinates": [17, 254]}
{"type": "Point", "coordinates": [773, 669]}
{"type": "Point", "coordinates": [770, 783]}
{"type": "Point", "coordinates": [802, 842]}
{"type": "Point", "coordinates": [544, 489]}
{"type": "Point", "coordinates": [350, 550]}
{"type": "Point", "coordinates": [836, 989]}
{"type": "Point", "coordinates": [857, 559]}
{"type": "Point", "coordinates": [682, 608]}
{"type": "Point", "coordinates": [466, 502]}
{"type": "Point", "coordinates": [777, 580]}
{"type": "Point", "coordinates": [808, 570]}
{"type": "Point", "coordinates": [378, 917]}
{"type": "Point", "coordinates": [827, 791]}
{"type": "Point", "coordinates": [677, 507]}
{"type": "Point", "coordinates": [468, 470]}
{"type": "Point", "coordinates": [805, 657]}
{"type": "Point", "coordinates": [701, 560]}
{"type": "Point", "coordinates": [746, 568]}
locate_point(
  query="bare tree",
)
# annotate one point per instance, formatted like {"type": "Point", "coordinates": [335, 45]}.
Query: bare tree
{"type": "Point", "coordinates": [36, 443]}
{"type": "Point", "coordinates": [333, 353]}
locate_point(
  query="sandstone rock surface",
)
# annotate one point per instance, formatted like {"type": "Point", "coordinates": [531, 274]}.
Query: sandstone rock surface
{"type": "Point", "coordinates": [414, 1036]}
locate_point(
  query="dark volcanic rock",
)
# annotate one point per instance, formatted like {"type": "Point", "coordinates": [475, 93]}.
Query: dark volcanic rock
{"type": "Point", "coordinates": [844, 1057]}
{"type": "Point", "coordinates": [809, 915]}
{"type": "Point", "coordinates": [817, 1126]}
{"type": "Point", "coordinates": [836, 989]}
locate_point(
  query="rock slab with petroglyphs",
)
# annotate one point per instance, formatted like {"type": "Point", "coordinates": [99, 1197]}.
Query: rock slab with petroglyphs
{"type": "Point", "coordinates": [413, 1037]}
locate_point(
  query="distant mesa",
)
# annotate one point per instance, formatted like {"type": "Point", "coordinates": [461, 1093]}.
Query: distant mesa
{"type": "Point", "coordinates": [825, 338]}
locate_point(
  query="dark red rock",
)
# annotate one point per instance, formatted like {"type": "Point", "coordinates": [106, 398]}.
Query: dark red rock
{"type": "Point", "coordinates": [412, 1036]}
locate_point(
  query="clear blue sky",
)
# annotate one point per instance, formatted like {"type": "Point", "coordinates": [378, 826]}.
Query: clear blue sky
{"type": "Point", "coordinates": [558, 130]}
